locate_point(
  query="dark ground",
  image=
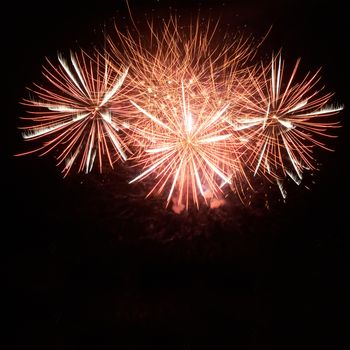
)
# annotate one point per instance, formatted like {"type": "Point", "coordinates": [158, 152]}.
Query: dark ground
{"type": "Point", "coordinates": [90, 265]}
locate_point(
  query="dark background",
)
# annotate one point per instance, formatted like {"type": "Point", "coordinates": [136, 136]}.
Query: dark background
{"type": "Point", "coordinates": [89, 264]}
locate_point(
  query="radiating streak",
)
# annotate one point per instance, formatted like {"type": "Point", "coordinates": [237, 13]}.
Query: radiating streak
{"type": "Point", "coordinates": [296, 179]}
{"type": "Point", "coordinates": [59, 108]}
{"type": "Point", "coordinates": [70, 159]}
{"type": "Point", "coordinates": [76, 67]}
{"type": "Point", "coordinates": [188, 122]}
{"type": "Point", "coordinates": [174, 181]}
{"type": "Point", "coordinates": [199, 184]}
{"type": "Point", "coordinates": [278, 80]}
{"type": "Point", "coordinates": [295, 165]}
{"type": "Point", "coordinates": [260, 158]}
{"type": "Point", "coordinates": [282, 190]}
{"type": "Point", "coordinates": [215, 138]}
{"type": "Point", "coordinates": [187, 113]}
{"type": "Point", "coordinates": [288, 124]}
{"type": "Point", "coordinates": [298, 106]}
{"type": "Point", "coordinates": [107, 116]}
{"type": "Point", "coordinates": [267, 114]}
{"type": "Point", "coordinates": [159, 150]}
{"type": "Point", "coordinates": [88, 167]}
{"type": "Point", "coordinates": [325, 110]}
{"type": "Point", "coordinates": [68, 71]}
{"type": "Point", "coordinates": [217, 171]}
{"type": "Point", "coordinates": [251, 121]}
{"type": "Point", "coordinates": [117, 144]}
{"type": "Point", "coordinates": [244, 126]}
{"type": "Point", "coordinates": [116, 87]}
{"type": "Point", "coordinates": [217, 116]}
{"type": "Point", "coordinates": [150, 169]}
{"type": "Point", "coordinates": [35, 132]}
{"type": "Point", "coordinates": [91, 162]}
{"type": "Point", "coordinates": [152, 117]}
{"type": "Point", "coordinates": [78, 117]}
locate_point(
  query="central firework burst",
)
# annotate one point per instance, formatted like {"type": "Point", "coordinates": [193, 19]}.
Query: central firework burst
{"type": "Point", "coordinates": [188, 78]}
{"type": "Point", "coordinates": [187, 149]}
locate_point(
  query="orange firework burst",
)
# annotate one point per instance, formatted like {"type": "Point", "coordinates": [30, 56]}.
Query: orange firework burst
{"type": "Point", "coordinates": [282, 121]}
{"type": "Point", "coordinates": [79, 113]}
{"type": "Point", "coordinates": [187, 79]}
{"type": "Point", "coordinates": [188, 147]}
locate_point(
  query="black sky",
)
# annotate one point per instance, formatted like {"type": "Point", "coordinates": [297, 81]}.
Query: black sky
{"type": "Point", "coordinates": [89, 264]}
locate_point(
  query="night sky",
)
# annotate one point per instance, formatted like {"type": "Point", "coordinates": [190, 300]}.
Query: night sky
{"type": "Point", "coordinates": [90, 264]}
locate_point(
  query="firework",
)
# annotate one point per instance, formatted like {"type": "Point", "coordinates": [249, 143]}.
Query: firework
{"type": "Point", "coordinates": [171, 51]}
{"type": "Point", "coordinates": [187, 149]}
{"type": "Point", "coordinates": [79, 110]}
{"type": "Point", "coordinates": [187, 78]}
{"type": "Point", "coordinates": [282, 121]}
{"type": "Point", "coordinates": [187, 105]}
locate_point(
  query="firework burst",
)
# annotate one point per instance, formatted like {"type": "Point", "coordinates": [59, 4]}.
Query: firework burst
{"type": "Point", "coordinates": [187, 150]}
{"type": "Point", "coordinates": [282, 121]}
{"type": "Point", "coordinates": [79, 113]}
{"type": "Point", "coordinates": [186, 78]}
